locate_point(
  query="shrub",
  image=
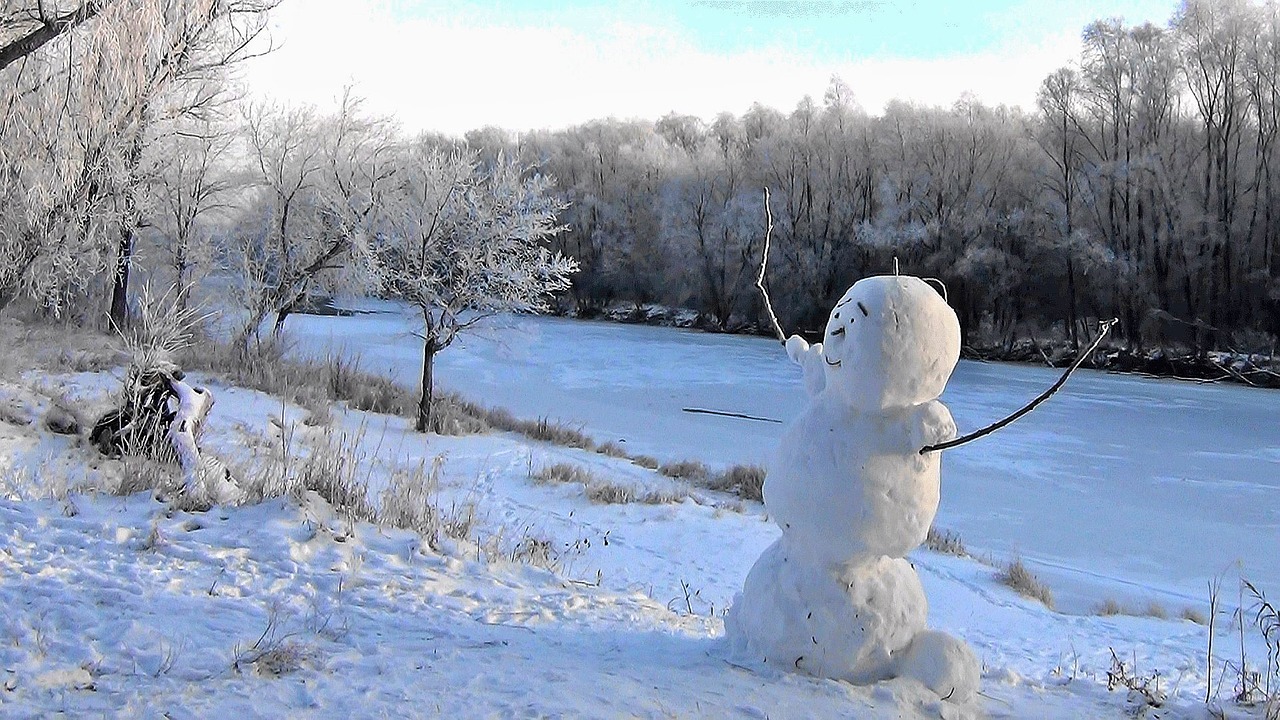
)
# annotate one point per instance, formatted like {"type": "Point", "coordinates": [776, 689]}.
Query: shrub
{"type": "Point", "coordinates": [1017, 576]}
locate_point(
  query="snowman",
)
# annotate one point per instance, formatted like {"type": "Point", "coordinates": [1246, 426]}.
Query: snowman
{"type": "Point", "coordinates": [853, 493]}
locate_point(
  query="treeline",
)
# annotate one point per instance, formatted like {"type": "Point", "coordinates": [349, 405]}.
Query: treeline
{"type": "Point", "coordinates": [1144, 186]}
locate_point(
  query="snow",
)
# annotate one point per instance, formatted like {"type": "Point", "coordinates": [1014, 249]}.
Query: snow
{"type": "Point", "coordinates": [124, 606]}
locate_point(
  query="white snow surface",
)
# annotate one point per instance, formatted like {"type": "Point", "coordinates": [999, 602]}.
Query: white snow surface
{"type": "Point", "coordinates": [125, 607]}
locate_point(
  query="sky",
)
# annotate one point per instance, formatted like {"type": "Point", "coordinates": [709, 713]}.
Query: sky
{"type": "Point", "coordinates": [452, 66]}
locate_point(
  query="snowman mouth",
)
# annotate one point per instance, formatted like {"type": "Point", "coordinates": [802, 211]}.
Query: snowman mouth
{"type": "Point", "coordinates": [832, 364]}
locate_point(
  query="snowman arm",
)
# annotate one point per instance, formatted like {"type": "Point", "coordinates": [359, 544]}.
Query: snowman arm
{"type": "Point", "coordinates": [930, 424]}
{"type": "Point", "coordinates": [810, 359]}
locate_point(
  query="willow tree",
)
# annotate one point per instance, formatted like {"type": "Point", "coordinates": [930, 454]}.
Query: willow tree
{"type": "Point", "coordinates": [81, 86]}
{"type": "Point", "coordinates": [469, 241]}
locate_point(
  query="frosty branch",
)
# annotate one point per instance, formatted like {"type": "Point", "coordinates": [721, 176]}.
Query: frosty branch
{"type": "Point", "coordinates": [764, 263]}
{"type": "Point", "coordinates": [1104, 327]}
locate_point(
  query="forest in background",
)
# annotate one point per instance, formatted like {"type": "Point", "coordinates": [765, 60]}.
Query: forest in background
{"type": "Point", "coordinates": [1142, 186]}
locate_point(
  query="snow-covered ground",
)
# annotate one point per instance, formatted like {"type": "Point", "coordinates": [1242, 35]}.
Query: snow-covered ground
{"type": "Point", "coordinates": [122, 606]}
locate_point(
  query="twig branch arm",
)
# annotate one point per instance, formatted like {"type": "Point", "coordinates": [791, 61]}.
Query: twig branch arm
{"type": "Point", "coordinates": [764, 262]}
{"type": "Point", "coordinates": [1104, 328]}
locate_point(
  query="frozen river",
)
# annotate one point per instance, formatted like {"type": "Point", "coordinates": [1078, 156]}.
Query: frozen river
{"type": "Point", "coordinates": [1119, 486]}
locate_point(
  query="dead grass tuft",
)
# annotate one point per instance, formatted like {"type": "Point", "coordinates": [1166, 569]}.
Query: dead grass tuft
{"type": "Point", "coordinates": [645, 461]}
{"type": "Point", "coordinates": [1109, 607]}
{"type": "Point", "coordinates": [611, 449]}
{"type": "Point", "coordinates": [1194, 615]}
{"type": "Point", "coordinates": [690, 470]}
{"type": "Point", "coordinates": [603, 491]}
{"type": "Point", "coordinates": [1017, 576]}
{"type": "Point", "coordinates": [563, 473]}
{"type": "Point", "coordinates": [945, 542]}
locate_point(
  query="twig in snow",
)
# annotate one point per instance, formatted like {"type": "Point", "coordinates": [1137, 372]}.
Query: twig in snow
{"type": "Point", "coordinates": [764, 262]}
{"type": "Point", "coordinates": [1103, 329]}
{"type": "Point", "coordinates": [722, 413]}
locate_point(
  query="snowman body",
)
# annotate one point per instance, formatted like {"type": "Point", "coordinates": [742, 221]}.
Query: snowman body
{"type": "Point", "coordinates": [853, 494]}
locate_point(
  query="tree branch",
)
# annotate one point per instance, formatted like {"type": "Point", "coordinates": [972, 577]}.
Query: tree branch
{"type": "Point", "coordinates": [48, 30]}
{"type": "Point", "coordinates": [1103, 329]}
{"type": "Point", "coordinates": [764, 262]}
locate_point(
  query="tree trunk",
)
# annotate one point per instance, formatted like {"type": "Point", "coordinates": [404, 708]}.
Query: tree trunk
{"type": "Point", "coordinates": [132, 220]}
{"type": "Point", "coordinates": [281, 314]}
{"type": "Point", "coordinates": [50, 29]}
{"type": "Point", "coordinates": [120, 282]}
{"type": "Point", "coordinates": [424, 403]}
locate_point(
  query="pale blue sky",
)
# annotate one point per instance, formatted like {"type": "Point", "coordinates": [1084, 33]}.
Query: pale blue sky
{"type": "Point", "coordinates": [450, 65]}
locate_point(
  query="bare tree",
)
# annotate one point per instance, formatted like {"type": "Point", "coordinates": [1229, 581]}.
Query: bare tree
{"type": "Point", "coordinates": [191, 191]}
{"type": "Point", "coordinates": [469, 241]}
{"type": "Point", "coordinates": [25, 27]}
{"type": "Point", "coordinates": [321, 185]}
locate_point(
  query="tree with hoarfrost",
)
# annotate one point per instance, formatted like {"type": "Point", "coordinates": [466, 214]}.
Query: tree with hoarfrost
{"type": "Point", "coordinates": [82, 87]}
{"type": "Point", "coordinates": [322, 186]}
{"type": "Point", "coordinates": [191, 190]}
{"type": "Point", "coordinates": [469, 241]}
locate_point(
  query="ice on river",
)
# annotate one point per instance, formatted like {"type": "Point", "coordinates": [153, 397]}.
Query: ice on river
{"type": "Point", "coordinates": [1118, 487]}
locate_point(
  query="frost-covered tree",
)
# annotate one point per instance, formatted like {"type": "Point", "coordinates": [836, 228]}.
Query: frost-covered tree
{"type": "Point", "coordinates": [191, 191]}
{"type": "Point", "coordinates": [79, 100]}
{"type": "Point", "coordinates": [322, 186]}
{"type": "Point", "coordinates": [469, 240]}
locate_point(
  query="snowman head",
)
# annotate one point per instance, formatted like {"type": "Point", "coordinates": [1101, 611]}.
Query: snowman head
{"type": "Point", "coordinates": [891, 341]}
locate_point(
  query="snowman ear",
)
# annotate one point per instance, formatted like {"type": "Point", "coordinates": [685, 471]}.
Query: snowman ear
{"type": "Point", "coordinates": [942, 287]}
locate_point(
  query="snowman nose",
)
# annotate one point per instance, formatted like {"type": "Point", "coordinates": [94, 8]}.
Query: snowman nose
{"type": "Point", "coordinates": [838, 331]}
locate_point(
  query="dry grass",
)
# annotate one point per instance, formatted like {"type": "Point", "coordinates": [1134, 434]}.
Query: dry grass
{"type": "Point", "coordinates": [690, 470]}
{"type": "Point", "coordinates": [332, 472]}
{"type": "Point", "coordinates": [411, 501]}
{"type": "Point", "coordinates": [611, 449]}
{"type": "Point", "coordinates": [745, 480]}
{"type": "Point", "coordinates": [1017, 576]}
{"type": "Point", "coordinates": [946, 542]}
{"type": "Point", "coordinates": [563, 473]}
{"type": "Point", "coordinates": [1154, 609]}
{"type": "Point", "coordinates": [1193, 615]}
{"type": "Point", "coordinates": [555, 433]}
{"type": "Point", "coordinates": [602, 491]}
{"type": "Point", "coordinates": [1109, 607]}
{"type": "Point", "coordinates": [645, 461]}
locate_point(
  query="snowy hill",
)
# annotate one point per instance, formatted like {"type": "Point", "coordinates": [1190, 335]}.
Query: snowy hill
{"type": "Point", "coordinates": [524, 598]}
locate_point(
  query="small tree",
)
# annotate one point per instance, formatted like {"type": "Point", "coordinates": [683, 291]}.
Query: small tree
{"type": "Point", "coordinates": [321, 185]}
{"type": "Point", "coordinates": [469, 242]}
